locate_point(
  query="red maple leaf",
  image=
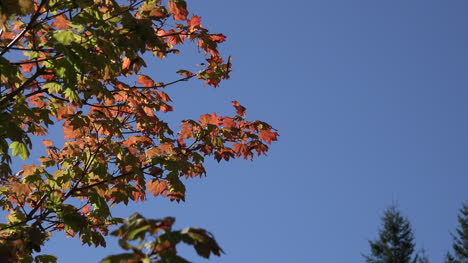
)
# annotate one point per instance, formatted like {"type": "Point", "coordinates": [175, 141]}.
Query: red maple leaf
{"type": "Point", "coordinates": [187, 131]}
{"type": "Point", "coordinates": [194, 23]}
{"type": "Point", "coordinates": [268, 136]}
{"type": "Point", "coordinates": [242, 149]}
{"type": "Point", "coordinates": [61, 22]}
{"type": "Point", "coordinates": [239, 108]}
{"type": "Point", "coordinates": [166, 108]}
{"type": "Point", "coordinates": [218, 38]}
{"type": "Point", "coordinates": [209, 119]}
{"type": "Point", "coordinates": [48, 75]}
{"type": "Point", "coordinates": [86, 209]}
{"type": "Point", "coordinates": [228, 123]}
{"type": "Point", "coordinates": [179, 9]}
{"type": "Point", "coordinates": [137, 140]}
{"type": "Point", "coordinates": [27, 67]}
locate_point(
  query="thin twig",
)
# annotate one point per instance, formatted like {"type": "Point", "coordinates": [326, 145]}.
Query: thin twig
{"type": "Point", "coordinates": [30, 25]}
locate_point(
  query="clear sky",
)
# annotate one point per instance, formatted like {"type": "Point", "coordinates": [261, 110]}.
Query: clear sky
{"type": "Point", "coordinates": [371, 101]}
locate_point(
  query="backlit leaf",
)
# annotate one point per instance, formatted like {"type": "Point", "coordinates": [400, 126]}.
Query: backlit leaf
{"type": "Point", "coordinates": [61, 22]}
{"type": "Point", "coordinates": [19, 148]}
{"type": "Point", "coordinates": [179, 9]}
{"type": "Point", "coordinates": [53, 87]}
{"type": "Point", "coordinates": [145, 81]}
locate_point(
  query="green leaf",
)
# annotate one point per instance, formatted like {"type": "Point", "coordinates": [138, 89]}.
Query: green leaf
{"type": "Point", "coordinates": [27, 6]}
{"type": "Point", "coordinates": [124, 244]}
{"type": "Point", "coordinates": [16, 217]}
{"type": "Point", "coordinates": [121, 257]}
{"type": "Point", "coordinates": [8, 70]}
{"type": "Point", "coordinates": [202, 241]}
{"type": "Point", "coordinates": [73, 58]}
{"type": "Point", "coordinates": [45, 259]}
{"type": "Point", "coordinates": [55, 198]}
{"type": "Point", "coordinates": [71, 95]}
{"type": "Point", "coordinates": [99, 204]}
{"type": "Point", "coordinates": [20, 149]}
{"type": "Point", "coordinates": [174, 259]}
{"type": "Point", "coordinates": [65, 37]}
{"type": "Point", "coordinates": [139, 232]}
{"type": "Point", "coordinates": [53, 87]}
{"type": "Point", "coordinates": [72, 219]}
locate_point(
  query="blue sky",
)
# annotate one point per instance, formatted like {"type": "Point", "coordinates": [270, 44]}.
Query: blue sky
{"type": "Point", "coordinates": [370, 99]}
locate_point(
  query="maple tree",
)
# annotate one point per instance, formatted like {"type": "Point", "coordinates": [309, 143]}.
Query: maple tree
{"type": "Point", "coordinates": [76, 66]}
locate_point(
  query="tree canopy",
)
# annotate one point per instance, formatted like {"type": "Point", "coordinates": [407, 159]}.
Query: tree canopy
{"type": "Point", "coordinates": [75, 66]}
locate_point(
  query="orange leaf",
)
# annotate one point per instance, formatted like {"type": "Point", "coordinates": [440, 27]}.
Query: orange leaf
{"type": "Point", "coordinates": [242, 149]}
{"type": "Point", "coordinates": [166, 108]}
{"type": "Point", "coordinates": [69, 132]}
{"type": "Point", "coordinates": [164, 96]}
{"type": "Point", "coordinates": [137, 139]}
{"type": "Point", "coordinates": [153, 152]}
{"type": "Point", "coordinates": [194, 23]}
{"type": "Point", "coordinates": [157, 187]}
{"type": "Point", "coordinates": [145, 81]}
{"type": "Point", "coordinates": [218, 38]}
{"type": "Point", "coordinates": [261, 148]}
{"type": "Point", "coordinates": [179, 9]}
{"type": "Point", "coordinates": [61, 22]}
{"type": "Point", "coordinates": [64, 112]}
{"type": "Point", "coordinates": [239, 108]}
{"type": "Point", "coordinates": [47, 143]}
{"type": "Point", "coordinates": [228, 123]}
{"type": "Point", "coordinates": [138, 196]}
{"type": "Point", "coordinates": [86, 209]}
{"type": "Point", "coordinates": [158, 14]}
{"type": "Point", "coordinates": [187, 131]}
{"type": "Point", "coordinates": [126, 63]}
{"type": "Point", "coordinates": [27, 67]}
{"type": "Point", "coordinates": [28, 169]}
{"type": "Point", "coordinates": [268, 136]}
{"type": "Point", "coordinates": [20, 189]}
{"type": "Point", "coordinates": [48, 75]}
{"type": "Point", "coordinates": [166, 147]}
{"type": "Point", "coordinates": [209, 119]}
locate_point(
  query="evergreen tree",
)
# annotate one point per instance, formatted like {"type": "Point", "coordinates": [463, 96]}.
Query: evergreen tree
{"type": "Point", "coordinates": [396, 240]}
{"type": "Point", "coordinates": [422, 257]}
{"type": "Point", "coordinates": [460, 240]}
{"type": "Point", "coordinates": [450, 259]}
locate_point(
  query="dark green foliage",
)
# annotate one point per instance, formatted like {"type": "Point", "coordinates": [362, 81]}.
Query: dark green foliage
{"type": "Point", "coordinates": [396, 240]}
{"type": "Point", "coordinates": [460, 239]}
{"type": "Point", "coordinates": [156, 241]}
{"type": "Point", "coordinates": [422, 257]}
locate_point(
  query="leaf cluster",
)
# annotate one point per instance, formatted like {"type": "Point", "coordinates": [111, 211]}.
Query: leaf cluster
{"type": "Point", "coordinates": [157, 241]}
{"type": "Point", "coordinates": [76, 66]}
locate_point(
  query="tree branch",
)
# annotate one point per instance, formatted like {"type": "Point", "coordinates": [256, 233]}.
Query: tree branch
{"type": "Point", "coordinates": [38, 60]}
{"type": "Point", "coordinates": [8, 97]}
{"type": "Point", "coordinates": [30, 25]}
{"type": "Point", "coordinates": [109, 180]}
